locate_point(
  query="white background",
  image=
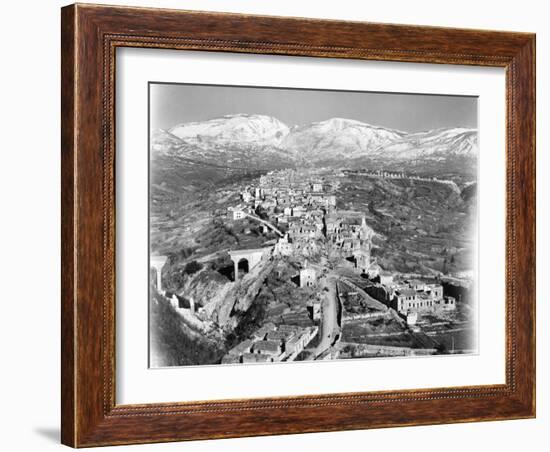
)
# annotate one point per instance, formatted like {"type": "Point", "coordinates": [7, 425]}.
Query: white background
{"type": "Point", "coordinates": [29, 393]}
{"type": "Point", "coordinates": [137, 384]}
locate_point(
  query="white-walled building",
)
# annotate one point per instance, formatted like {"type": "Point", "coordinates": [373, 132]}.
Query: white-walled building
{"type": "Point", "coordinates": [308, 277]}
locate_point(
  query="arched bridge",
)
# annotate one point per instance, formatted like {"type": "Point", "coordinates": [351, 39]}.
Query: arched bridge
{"type": "Point", "coordinates": [251, 256]}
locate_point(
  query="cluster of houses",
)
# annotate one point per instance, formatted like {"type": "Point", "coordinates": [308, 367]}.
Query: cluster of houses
{"type": "Point", "coordinates": [351, 237]}
{"type": "Point", "coordinates": [296, 199]}
{"type": "Point", "coordinates": [305, 204]}
{"type": "Point", "coordinates": [411, 297]}
{"type": "Point", "coordinates": [271, 343]}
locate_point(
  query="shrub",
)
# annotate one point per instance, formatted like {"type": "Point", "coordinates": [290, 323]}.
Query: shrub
{"type": "Point", "coordinates": [192, 267]}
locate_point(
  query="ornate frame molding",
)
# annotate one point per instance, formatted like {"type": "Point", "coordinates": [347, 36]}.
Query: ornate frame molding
{"type": "Point", "coordinates": [90, 37]}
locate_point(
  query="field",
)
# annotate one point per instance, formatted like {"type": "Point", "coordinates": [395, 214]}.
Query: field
{"type": "Point", "coordinates": [422, 227]}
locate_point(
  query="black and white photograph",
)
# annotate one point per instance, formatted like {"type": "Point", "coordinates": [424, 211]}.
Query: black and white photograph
{"type": "Point", "coordinates": [275, 226]}
{"type": "Point", "coordinates": [291, 225]}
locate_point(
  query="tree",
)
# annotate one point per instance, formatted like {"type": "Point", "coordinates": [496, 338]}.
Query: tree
{"type": "Point", "coordinates": [192, 267]}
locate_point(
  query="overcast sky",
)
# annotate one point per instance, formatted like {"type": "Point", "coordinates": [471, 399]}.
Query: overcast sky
{"type": "Point", "coordinates": [173, 104]}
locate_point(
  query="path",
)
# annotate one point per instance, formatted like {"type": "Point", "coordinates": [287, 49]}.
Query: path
{"type": "Point", "coordinates": [329, 328]}
{"type": "Point", "coordinates": [267, 223]}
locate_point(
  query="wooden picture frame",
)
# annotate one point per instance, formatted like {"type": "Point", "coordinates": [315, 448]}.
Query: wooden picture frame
{"type": "Point", "coordinates": [90, 35]}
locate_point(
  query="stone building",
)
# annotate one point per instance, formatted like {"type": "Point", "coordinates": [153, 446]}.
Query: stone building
{"type": "Point", "coordinates": [253, 358]}
{"type": "Point", "coordinates": [238, 214]}
{"type": "Point", "coordinates": [271, 343]}
{"type": "Point", "coordinates": [298, 211]}
{"type": "Point", "coordinates": [267, 347]}
{"type": "Point", "coordinates": [262, 332]}
{"type": "Point", "coordinates": [246, 196]}
{"type": "Point", "coordinates": [308, 277]}
{"type": "Point", "coordinates": [362, 260]}
{"type": "Point", "coordinates": [314, 308]}
{"type": "Point", "coordinates": [243, 347]}
{"type": "Point", "coordinates": [418, 296]}
{"type": "Point", "coordinates": [283, 247]}
{"type": "Point", "coordinates": [385, 277]}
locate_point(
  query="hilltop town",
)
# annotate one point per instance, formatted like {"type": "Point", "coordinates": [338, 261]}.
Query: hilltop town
{"type": "Point", "coordinates": [291, 267]}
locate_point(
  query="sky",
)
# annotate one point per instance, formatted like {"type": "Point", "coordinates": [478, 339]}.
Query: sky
{"type": "Point", "coordinates": [172, 104]}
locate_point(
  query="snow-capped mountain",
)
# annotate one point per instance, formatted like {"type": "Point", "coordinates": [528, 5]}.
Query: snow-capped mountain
{"type": "Point", "coordinates": [204, 152]}
{"type": "Point", "coordinates": [433, 145]}
{"type": "Point", "coordinates": [234, 129]}
{"type": "Point", "coordinates": [338, 138]}
{"type": "Point", "coordinates": [257, 143]}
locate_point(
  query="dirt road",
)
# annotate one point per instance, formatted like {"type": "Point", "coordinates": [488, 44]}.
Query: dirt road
{"type": "Point", "coordinates": [329, 329]}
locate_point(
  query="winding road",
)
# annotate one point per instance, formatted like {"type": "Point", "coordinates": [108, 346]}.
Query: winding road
{"type": "Point", "coordinates": [329, 329]}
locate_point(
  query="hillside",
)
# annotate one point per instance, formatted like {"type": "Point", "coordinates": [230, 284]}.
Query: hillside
{"type": "Point", "coordinates": [206, 152]}
{"type": "Point", "coordinates": [234, 129]}
{"type": "Point", "coordinates": [199, 155]}
{"type": "Point", "coordinates": [338, 138]}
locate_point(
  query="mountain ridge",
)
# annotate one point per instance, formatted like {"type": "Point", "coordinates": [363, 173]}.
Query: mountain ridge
{"type": "Point", "coordinates": [264, 142]}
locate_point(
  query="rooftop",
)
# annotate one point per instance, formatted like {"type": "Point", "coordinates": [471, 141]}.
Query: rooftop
{"type": "Point", "coordinates": [239, 349]}
{"type": "Point", "coordinates": [279, 335]}
{"type": "Point", "coordinates": [254, 357]}
{"type": "Point", "coordinates": [291, 328]}
{"type": "Point", "coordinates": [407, 292]}
{"type": "Point", "coordinates": [267, 346]}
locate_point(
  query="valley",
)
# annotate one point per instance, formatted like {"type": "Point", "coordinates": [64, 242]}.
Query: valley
{"type": "Point", "coordinates": [415, 195]}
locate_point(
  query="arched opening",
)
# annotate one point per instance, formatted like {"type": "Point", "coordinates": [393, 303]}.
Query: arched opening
{"type": "Point", "coordinates": [242, 268]}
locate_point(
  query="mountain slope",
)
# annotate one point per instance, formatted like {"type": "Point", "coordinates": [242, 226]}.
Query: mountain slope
{"type": "Point", "coordinates": [205, 152]}
{"type": "Point", "coordinates": [435, 144]}
{"type": "Point", "coordinates": [234, 129]}
{"type": "Point", "coordinates": [338, 138]}
{"type": "Point", "coordinates": [210, 149]}
{"type": "Point", "coordinates": [236, 142]}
